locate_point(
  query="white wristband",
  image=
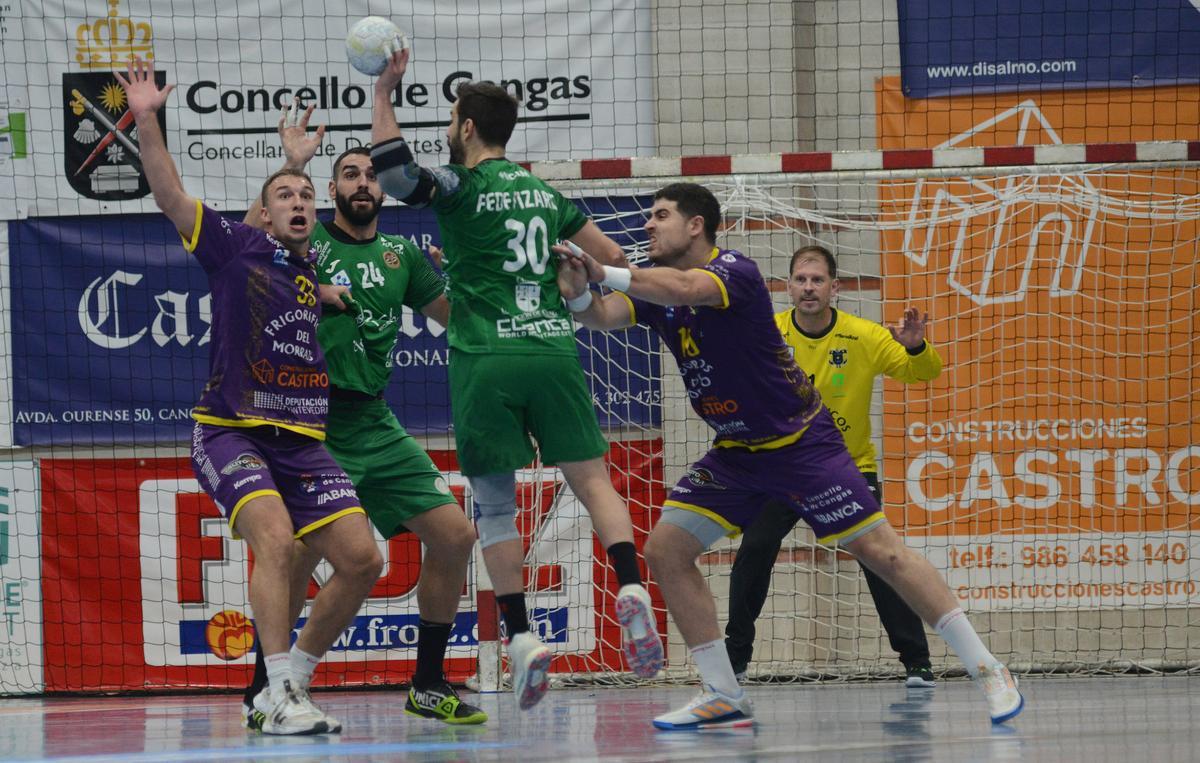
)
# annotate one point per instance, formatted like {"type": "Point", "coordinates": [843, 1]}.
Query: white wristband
{"type": "Point", "coordinates": [617, 278]}
{"type": "Point", "coordinates": [580, 303]}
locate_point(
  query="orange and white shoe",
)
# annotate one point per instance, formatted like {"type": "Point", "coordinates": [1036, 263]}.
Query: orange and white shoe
{"type": "Point", "coordinates": [710, 710]}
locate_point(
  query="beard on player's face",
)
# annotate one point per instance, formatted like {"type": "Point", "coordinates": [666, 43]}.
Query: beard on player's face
{"type": "Point", "coordinates": [359, 208]}
{"type": "Point", "coordinates": [458, 152]}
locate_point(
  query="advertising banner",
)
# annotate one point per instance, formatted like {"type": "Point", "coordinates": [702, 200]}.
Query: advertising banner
{"type": "Point", "coordinates": [951, 47]}
{"type": "Point", "coordinates": [1056, 461]}
{"type": "Point", "coordinates": [580, 70]}
{"type": "Point", "coordinates": [110, 326]}
{"type": "Point", "coordinates": [145, 587]}
{"type": "Point", "coordinates": [20, 580]}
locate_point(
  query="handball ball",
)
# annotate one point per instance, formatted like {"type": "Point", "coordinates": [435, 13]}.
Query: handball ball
{"type": "Point", "coordinates": [370, 42]}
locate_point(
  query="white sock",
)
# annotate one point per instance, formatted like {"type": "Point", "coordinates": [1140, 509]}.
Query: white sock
{"type": "Point", "coordinates": [303, 665]}
{"type": "Point", "coordinates": [279, 669]}
{"type": "Point", "coordinates": [715, 669]}
{"type": "Point", "coordinates": [956, 629]}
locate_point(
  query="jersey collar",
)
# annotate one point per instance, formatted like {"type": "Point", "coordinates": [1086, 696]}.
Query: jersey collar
{"type": "Point", "coordinates": [342, 237]}
{"type": "Point", "coordinates": [820, 334]}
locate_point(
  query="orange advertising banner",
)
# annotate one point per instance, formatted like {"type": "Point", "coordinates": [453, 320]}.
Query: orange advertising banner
{"type": "Point", "coordinates": [1066, 306]}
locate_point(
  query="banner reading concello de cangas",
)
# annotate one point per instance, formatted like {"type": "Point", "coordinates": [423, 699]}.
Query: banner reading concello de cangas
{"type": "Point", "coordinates": [1056, 462]}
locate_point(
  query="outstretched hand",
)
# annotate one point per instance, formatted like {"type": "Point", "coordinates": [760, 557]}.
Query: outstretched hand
{"type": "Point", "coordinates": [910, 331]}
{"type": "Point", "coordinates": [298, 145]}
{"type": "Point", "coordinates": [572, 277]}
{"type": "Point", "coordinates": [141, 90]}
{"type": "Point", "coordinates": [569, 253]}
{"type": "Point", "coordinates": [397, 65]}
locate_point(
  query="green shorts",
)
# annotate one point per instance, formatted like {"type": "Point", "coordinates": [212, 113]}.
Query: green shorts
{"type": "Point", "coordinates": [394, 476]}
{"type": "Point", "coordinates": [500, 401]}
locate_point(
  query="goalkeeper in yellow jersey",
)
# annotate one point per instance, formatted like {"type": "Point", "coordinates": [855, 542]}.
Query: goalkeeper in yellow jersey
{"type": "Point", "coordinates": [842, 354]}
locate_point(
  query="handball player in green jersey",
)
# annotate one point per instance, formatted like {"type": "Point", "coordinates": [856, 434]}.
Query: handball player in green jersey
{"type": "Point", "coordinates": [515, 375]}
{"type": "Point", "coordinates": [398, 485]}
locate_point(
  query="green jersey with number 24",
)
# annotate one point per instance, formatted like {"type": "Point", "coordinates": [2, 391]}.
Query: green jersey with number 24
{"type": "Point", "coordinates": [385, 275]}
{"type": "Point", "coordinates": [498, 223]}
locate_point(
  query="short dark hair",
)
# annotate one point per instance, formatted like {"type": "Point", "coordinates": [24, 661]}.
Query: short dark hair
{"type": "Point", "coordinates": [818, 250]}
{"type": "Point", "coordinates": [491, 108]}
{"type": "Point", "coordinates": [337, 163]}
{"type": "Point", "coordinates": [694, 200]}
{"type": "Point", "coordinates": [287, 172]}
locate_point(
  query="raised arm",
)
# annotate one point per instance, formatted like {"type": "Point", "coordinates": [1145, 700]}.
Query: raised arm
{"type": "Point", "coordinates": [298, 149]}
{"type": "Point", "coordinates": [145, 99]}
{"type": "Point", "coordinates": [399, 174]}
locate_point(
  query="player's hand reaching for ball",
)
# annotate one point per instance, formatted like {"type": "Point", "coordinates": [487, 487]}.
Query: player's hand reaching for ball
{"type": "Point", "coordinates": [141, 90]}
{"type": "Point", "coordinates": [298, 146]}
{"type": "Point", "coordinates": [397, 65]}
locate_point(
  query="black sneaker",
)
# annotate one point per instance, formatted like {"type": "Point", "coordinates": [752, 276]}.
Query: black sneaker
{"type": "Point", "coordinates": [919, 677]}
{"type": "Point", "coordinates": [441, 702]}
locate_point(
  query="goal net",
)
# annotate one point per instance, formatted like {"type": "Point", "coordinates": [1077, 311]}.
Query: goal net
{"type": "Point", "coordinates": [1052, 472]}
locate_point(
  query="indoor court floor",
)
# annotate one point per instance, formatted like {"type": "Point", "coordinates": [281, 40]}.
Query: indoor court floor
{"type": "Point", "coordinates": [1144, 719]}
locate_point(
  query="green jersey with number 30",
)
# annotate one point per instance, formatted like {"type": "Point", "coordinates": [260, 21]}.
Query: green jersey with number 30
{"type": "Point", "coordinates": [498, 223]}
{"type": "Point", "coordinates": [383, 274]}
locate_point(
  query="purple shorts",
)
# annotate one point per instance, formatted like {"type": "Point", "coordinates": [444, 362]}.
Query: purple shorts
{"type": "Point", "coordinates": [236, 465]}
{"type": "Point", "coordinates": [815, 476]}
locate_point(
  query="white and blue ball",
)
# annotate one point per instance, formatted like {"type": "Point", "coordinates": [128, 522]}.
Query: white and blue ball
{"type": "Point", "coordinates": [370, 43]}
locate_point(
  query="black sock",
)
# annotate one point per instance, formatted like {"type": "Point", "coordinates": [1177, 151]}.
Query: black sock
{"type": "Point", "coordinates": [259, 682]}
{"type": "Point", "coordinates": [431, 652]}
{"type": "Point", "coordinates": [623, 558]}
{"type": "Point", "coordinates": [512, 609]}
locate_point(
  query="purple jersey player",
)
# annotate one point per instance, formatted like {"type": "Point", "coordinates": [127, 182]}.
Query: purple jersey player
{"type": "Point", "coordinates": [256, 446]}
{"type": "Point", "coordinates": [774, 441]}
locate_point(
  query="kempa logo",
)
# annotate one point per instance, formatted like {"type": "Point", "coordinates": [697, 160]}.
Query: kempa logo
{"type": "Point", "coordinates": [100, 149]}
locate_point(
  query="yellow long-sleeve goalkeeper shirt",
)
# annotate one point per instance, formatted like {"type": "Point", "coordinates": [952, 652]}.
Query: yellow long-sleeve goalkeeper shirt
{"type": "Point", "coordinates": [843, 362]}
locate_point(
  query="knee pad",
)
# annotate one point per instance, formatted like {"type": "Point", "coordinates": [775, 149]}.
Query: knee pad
{"type": "Point", "coordinates": [495, 499]}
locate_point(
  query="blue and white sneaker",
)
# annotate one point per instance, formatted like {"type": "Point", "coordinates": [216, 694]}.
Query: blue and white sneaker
{"type": "Point", "coordinates": [1004, 700]}
{"type": "Point", "coordinates": [710, 710]}
{"type": "Point", "coordinates": [640, 642]}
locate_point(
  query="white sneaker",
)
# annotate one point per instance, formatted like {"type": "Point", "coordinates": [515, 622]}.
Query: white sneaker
{"type": "Point", "coordinates": [1004, 701]}
{"type": "Point", "coordinates": [741, 677]}
{"type": "Point", "coordinates": [640, 643]}
{"type": "Point", "coordinates": [529, 661]}
{"type": "Point", "coordinates": [708, 710]}
{"type": "Point", "coordinates": [289, 711]}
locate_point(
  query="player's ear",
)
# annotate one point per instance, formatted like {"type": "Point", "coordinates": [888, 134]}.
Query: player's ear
{"type": "Point", "coordinates": [695, 226]}
{"type": "Point", "coordinates": [834, 287]}
{"type": "Point", "coordinates": [332, 189]}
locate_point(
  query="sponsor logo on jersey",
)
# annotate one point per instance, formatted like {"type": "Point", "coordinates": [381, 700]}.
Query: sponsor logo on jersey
{"type": "Point", "coordinates": [728, 258]}
{"type": "Point", "coordinates": [701, 477]}
{"type": "Point", "coordinates": [280, 257]}
{"type": "Point", "coordinates": [341, 278]}
{"type": "Point", "coordinates": [247, 480]}
{"type": "Point", "coordinates": [528, 295]}
{"type": "Point", "coordinates": [308, 484]}
{"type": "Point", "coordinates": [263, 371]}
{"type": "Point", "coordinates": [244, 461]}
{"type": "Point", "coordinates": [391, 259]}
{"type": "Point", "coordinates": [837, 358]}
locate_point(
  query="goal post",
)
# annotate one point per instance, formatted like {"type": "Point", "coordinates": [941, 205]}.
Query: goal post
{"type": "Point", "coordinates": [1052, 472]}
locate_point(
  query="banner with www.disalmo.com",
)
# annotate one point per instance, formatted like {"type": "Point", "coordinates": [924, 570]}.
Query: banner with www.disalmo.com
{"type": "Point", "coordinates": [950, 47]}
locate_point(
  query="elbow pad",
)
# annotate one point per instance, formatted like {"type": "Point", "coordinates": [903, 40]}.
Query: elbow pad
{"type": "Point", "coordinates": [399, 174]}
